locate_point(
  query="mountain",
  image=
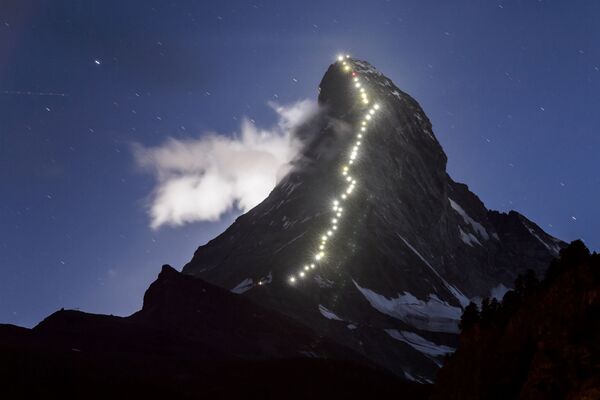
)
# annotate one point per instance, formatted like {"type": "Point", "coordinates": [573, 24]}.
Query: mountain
{"type": "Point", "coordinates": [411, 248]}
{"type": "Point", "coordinates": [540, 343]}
{"type": "Point", "coordinates": [190, 339]}
{"type": "Point", "coordinates": [348, 280]}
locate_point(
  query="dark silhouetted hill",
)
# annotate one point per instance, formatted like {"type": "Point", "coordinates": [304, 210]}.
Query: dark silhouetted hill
{"type": "Point", "coordinates": [190, 340]}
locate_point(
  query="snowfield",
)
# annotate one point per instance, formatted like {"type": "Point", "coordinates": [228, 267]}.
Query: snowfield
{"type": "Point", "coordinates": [433, 315]}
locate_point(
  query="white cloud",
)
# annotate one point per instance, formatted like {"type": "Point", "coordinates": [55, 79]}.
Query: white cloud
{"type": "Point", "coordinates": [201, 179]}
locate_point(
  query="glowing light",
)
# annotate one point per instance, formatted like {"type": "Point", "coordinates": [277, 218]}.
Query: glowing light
{"type": "Point", "coordinates": [347, 66]}
{"type": "Point", "coordinates": [347, 55]}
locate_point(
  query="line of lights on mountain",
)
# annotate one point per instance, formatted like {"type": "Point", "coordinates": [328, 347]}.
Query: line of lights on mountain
{"type": "Point", "coordinates": [346, 171]}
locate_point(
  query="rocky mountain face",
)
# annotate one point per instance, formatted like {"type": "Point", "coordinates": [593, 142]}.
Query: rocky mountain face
{"type": "Point", "coordinates": [541, 342]}
{"type": "Point", "coordinates": [410, 249]}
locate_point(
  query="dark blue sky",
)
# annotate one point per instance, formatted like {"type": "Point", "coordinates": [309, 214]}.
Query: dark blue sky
{"type": "Point", "coordinates": [512, 89]}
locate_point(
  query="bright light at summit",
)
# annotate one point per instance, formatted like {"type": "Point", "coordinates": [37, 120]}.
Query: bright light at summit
{"type": "Point", "coordinates": [346, 64]}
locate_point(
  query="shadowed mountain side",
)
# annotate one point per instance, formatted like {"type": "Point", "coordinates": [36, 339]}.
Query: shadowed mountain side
{"type": "Point", "coordinates": [190, 338]}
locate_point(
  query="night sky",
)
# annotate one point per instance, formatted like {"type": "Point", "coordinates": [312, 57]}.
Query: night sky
{"type": "Point", "coordinates": [512, 89]}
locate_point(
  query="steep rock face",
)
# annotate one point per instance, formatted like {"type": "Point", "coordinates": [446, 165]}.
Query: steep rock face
{"type": "Point", "coordinates": [412, 248]}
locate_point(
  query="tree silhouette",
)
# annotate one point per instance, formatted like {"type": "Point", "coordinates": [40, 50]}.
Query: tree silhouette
{"type": "Point", "coordinates": [469, 317]}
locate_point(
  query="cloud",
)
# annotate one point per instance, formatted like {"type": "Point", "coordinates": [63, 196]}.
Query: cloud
{"type": "Point", "coordinates": [201, 179]}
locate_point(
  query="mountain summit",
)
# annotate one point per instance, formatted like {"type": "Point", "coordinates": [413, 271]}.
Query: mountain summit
{"type": "Point", "coordinates": [348, 279]}
{"type": "Point", "coordinates": [368, 240]}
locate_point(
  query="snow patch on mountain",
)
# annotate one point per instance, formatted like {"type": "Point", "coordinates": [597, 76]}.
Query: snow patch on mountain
{"type": "Point", "coordinates": [328, 313]}
{"type": "Point", "coordinates": [243, 286]}
{"type": "Point", "coordinates": [433, 315]}
{"type": "Point", "coordinates": [481, 231]}
{"type": "Point", "coordinates": [554, 248]}
{"type": "Point", "coordinates": [468, 238]}
{"type": "Point", "coordinates": [419, 343]}
{"type": "Point", "coordinates": [498, 292]}
{"type": "Point", "coordinates": [462, 299]}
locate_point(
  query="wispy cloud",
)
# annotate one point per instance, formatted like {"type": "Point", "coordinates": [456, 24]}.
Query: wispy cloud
{"type": "Point", "coordinates": [201, 179]}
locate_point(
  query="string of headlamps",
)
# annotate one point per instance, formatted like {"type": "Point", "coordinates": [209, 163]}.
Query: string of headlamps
{"type": "Point", "coordinates": [337, 206]}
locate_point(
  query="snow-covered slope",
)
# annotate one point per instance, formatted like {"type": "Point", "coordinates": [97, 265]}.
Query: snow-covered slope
{"type": "Point", "coordinates": [410, 250]}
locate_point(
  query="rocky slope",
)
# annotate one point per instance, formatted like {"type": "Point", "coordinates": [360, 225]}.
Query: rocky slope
{"type": "Point", "coordinates": [540, 343]}
{"type": "Point", "coordinates": [411, 249]}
